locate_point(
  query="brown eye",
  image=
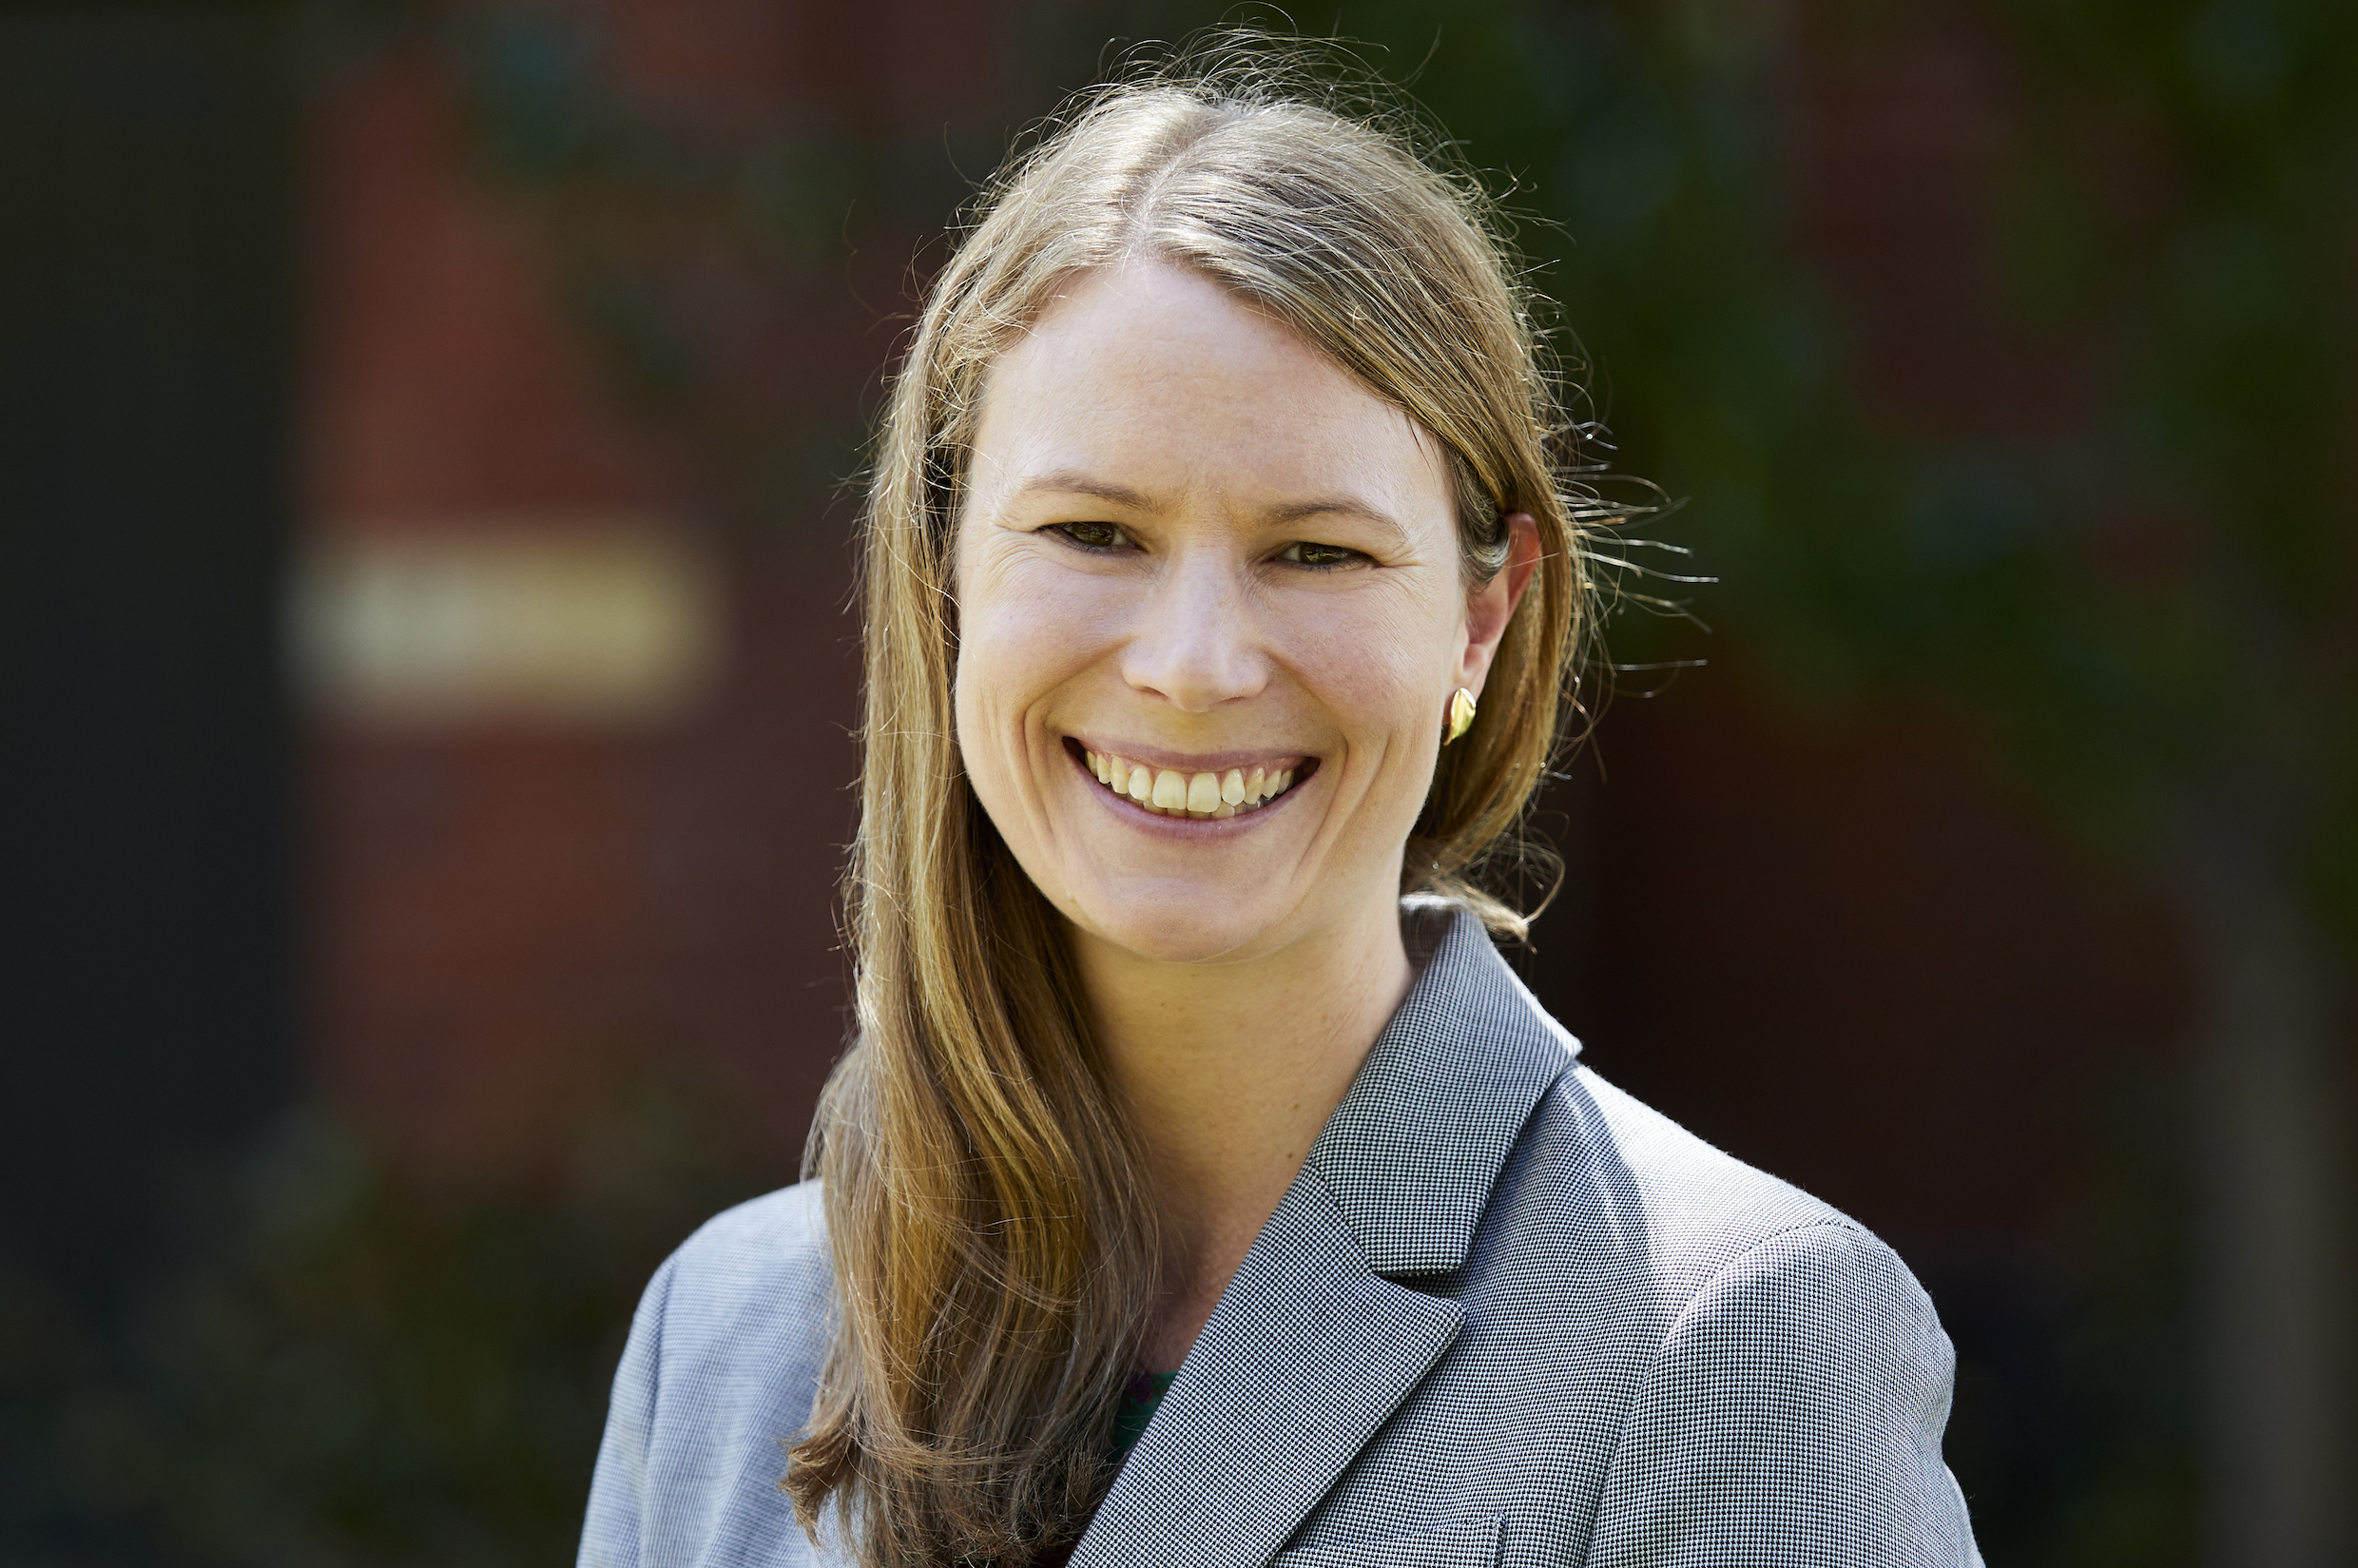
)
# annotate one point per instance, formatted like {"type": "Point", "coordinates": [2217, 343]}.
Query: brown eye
{"type": "Point", "coordinates": [1318, 557]}
{"type": "Point", "coordinates": [1093, 535]}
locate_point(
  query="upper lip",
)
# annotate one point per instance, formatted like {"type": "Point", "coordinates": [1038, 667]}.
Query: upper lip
{"type": "Point", "coordinates": [1204, 761]}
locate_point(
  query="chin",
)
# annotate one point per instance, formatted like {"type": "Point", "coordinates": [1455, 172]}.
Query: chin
{"type": "Point", "coordinates": [1168, 925]}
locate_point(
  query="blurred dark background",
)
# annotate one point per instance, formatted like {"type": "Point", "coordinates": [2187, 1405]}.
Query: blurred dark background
{"type": "Point", "coordinates": [425, 685]}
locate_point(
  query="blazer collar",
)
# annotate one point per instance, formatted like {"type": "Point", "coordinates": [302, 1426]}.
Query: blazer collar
{"type": "Point", "coordinates": [1411, 1152]}
{"type": "Point", "coordinates": [1313, 1346]}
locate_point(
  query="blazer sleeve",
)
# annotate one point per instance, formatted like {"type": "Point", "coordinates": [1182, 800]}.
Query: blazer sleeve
{"type": "Point", "coordinates": [1792, 1415]}
{"type": "Point", "coordinates": [618, 1502]}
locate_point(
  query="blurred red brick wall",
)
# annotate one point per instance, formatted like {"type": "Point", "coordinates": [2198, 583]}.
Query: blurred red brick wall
{"type": "Point", "coordinates": [508, 919]}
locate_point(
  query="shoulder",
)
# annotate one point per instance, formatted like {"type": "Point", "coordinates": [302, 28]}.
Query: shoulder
{"type": "Point", "coordinates": [1757, 1279]}
{"type": "Point", "coordinates": [780, 1234]}
{"type": "Point", "coordinates": [723, 1362]}
{"type": "Point", "coordinates": [732, 1332]}
{"type": "Point", "coordinates": [1795, 1385]}
{"type": "Point", "coordinates": [1700, 1208]}
{"type": "Point", "coordinates": [1610, 1205]}
{"type": "Point", "coordinates": [1780, 1381]}
{"type": "Point", "coordinates": [751, 1286]}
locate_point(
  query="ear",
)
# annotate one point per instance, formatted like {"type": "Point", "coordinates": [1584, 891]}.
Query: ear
{"type": "Point", "coordinates": [1491, 606]}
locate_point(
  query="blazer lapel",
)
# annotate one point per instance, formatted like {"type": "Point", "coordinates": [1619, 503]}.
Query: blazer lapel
{"type": "Point", "coordinates": [1414, 1148]}
{"type": "Point", "coordinates": [1312, 1347]}
{"type": "Point", "coordinates": [1306, 1356]}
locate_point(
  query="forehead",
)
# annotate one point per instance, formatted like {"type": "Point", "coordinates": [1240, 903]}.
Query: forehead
{"type": "Point", "coordinates": [1156, 377]}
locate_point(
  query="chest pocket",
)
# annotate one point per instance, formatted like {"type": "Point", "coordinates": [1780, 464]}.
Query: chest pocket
{"type": "Point", "coordinates": [1470, 1543]}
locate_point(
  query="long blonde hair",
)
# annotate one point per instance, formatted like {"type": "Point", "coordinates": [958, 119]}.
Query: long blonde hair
{"type": "Point", "coordinates": [995, 1246]}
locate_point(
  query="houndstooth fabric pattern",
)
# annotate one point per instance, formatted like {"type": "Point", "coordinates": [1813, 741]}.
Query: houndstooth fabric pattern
{"type": "Point", "coordinates": [1505, 1315]}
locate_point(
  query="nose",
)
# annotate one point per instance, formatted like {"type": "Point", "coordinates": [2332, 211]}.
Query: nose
{"type": "Point", "coordinates": [1196, 642]}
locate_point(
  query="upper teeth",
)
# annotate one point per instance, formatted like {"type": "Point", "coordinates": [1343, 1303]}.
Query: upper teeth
{"type": "Point", "coordinates": [1171, 793]}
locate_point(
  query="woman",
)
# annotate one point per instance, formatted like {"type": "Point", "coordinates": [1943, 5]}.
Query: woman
{"type": "Point", "coordinates": [1224, 587]}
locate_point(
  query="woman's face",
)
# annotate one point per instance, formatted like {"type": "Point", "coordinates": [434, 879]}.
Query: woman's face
{"type": "Point", "coordinates": [1193, 544]}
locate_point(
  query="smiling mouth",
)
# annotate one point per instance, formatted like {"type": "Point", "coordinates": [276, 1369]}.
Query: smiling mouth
{"type": "Point", "coordinates": [1204, 797]}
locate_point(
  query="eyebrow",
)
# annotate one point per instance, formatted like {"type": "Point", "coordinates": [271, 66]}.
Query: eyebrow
{"type": "Point", "coordinates": [1065, 482]}
{"type": "Point", "coordinates": [1343, 506]}
{"type": "Point", "coordinates": [1074, 482]}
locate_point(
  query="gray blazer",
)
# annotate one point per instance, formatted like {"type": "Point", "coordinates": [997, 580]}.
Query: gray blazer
{"type": "Point", "coordinates": [1505, 1315]}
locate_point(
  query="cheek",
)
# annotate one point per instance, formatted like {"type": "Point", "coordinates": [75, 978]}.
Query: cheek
{"type": "Point", "coordinates": [1378, 661]}
{"type": "Point", "coordinates": [1021, 633]}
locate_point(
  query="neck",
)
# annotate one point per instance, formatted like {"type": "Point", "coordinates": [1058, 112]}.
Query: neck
{"type": "Point", "coordinates": [1228, 1071]}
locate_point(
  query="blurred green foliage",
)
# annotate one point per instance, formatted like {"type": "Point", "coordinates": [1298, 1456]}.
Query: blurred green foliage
{"type": "Point", "coordinates": [349, 1367]}
{"type": "Point", "coordinates": [2150, 596]}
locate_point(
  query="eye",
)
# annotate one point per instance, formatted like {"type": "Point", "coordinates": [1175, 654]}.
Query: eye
{"type": "Point", "coordinates": [1093, 535]}
{"type": "Point", "coordinates": [1318, 557]}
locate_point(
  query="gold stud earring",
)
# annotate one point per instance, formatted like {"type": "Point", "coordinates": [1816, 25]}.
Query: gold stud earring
{"type": "Point", "coordinates": [1460, 715]}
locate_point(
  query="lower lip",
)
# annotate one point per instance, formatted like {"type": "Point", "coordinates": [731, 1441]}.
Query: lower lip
{"type": "Point", "coordinates": [1184, 828]}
